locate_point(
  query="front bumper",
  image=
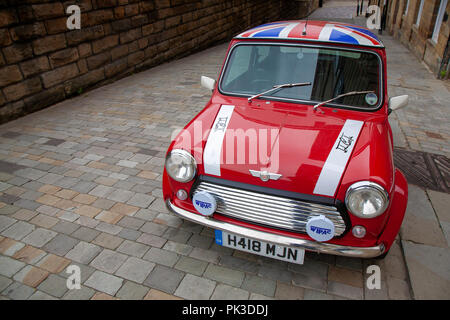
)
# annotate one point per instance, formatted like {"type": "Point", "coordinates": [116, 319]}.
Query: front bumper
{"type": "Point", "coordinates": [322, 247]}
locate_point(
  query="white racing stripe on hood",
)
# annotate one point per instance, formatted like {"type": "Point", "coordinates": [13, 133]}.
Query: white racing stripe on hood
{"type": "Point", "coordinates": [213, 149]}
{"type": "Point", "coordinates": [337, 159]}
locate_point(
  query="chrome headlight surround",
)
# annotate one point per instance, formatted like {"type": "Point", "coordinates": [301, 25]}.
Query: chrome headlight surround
{"type": "Point", "coordinates": [181, 165]}
{"type": "Point", "coordinates": [366, 199]}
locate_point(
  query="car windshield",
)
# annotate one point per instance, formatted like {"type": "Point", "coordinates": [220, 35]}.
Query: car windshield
{"type": "Point", "coordinates": [255, 68]}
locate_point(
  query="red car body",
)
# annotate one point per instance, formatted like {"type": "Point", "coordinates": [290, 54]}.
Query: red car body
{"type": "Point", "coordinates": [306, 137]}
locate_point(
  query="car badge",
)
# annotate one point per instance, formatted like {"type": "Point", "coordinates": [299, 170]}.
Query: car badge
{"type": "Point", "coordinates": [265, 175]}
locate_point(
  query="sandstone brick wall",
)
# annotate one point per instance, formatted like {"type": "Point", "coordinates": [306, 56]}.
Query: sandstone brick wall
{"type": "Point", "coordinates": [42, 62]}
{"type": "Point", "coordinates": [418, 38]}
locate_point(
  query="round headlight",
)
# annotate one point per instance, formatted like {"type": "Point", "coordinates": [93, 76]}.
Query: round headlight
{"type": "Point", "coordinates": [366, 199]}
{"type": "Point", "coordinates": [181, 165]}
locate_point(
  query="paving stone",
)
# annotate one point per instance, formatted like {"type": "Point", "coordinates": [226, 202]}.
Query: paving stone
{"type": "Point", "coordinates": [103, 296]}
{"type": "Point", "coordinates": [133, 248]}
{"type": "Point", "coordinates": [18, 230]}
{"type": "Point", "coordinates": [154, 294]}
{"type": "Point", "coordinates": [39, 295]}
{"type": "Point", "coordinates": [61, 244]}
{"type": "Point", "coordinates": [162, 257]}
{"type": "Point", "coordinates": [108, 261]}
{"type": "Point", "coordinates": [351, 278]}
{"type": "Point", "coordinates": [205, 255]}
{"type": "Point", "coordinates": [108, 217]}
{"type": "Point", "coordinates": [124, 209]}
{"type": "Point", "coordinates": [141, 200]}
{"type": "Point", "coordinates": [84, 293]}
{"type": "Point", "coordinates": [153, 228]}
{"type": "Point", "coordinates": [145, 214]}
{"type": "Point", "coordinates": [423, 260]}
{"type": "Point", "coordinates": [195, 288]}
{"type": "Point", "coordinates": [316, 295]}
{"type": "Point", "coordinates": [119, 195]}
{"type": "Point", "coordinates": [104, 282]}
{"type": "Point", "coordinates": [286, 291]}
{"type": "Point", "coordinates": [135, 269]}
{"type": "Point", "coordinates": [152, 240]}
{"type": "Point", "coordinates": [85, 234]}
{"type": "Point", "coordinates": [39, 237]}
{"type": "Point", "coordinates": [24, 214]}
{"type": "Point", "coordinates": [259, 285]}
{"type": "Point", "coordinates": [344, 290]}
{"type": "Point", "coordinates": [179, 248]}
{"type": "Point", "coordinates": [164, 279]}
{"type": "Point", "coordinates": [31, 276]}
{"type": "Point", "coordinates": [132, 291]}
{"type": "Point", "coordinates": [107, 240]}
{"type": "Point", "coordinates": [224, 275]}
{"type": "Point", "coordinates": [239, 264]}
{"type": "Point", "coordinates": [129, 234]}
{"type": "Point", "coordinates": [53, 263]}
{"type": "Point", "coordinates": [131, 222]}
{"type": "Point", "coordinates": [225, 292]}
{"type": "Point", "coordinates": [420, 224]}
{"type": "Point", "coordinates": [83, 252]}
{"type": "Point", "coordinates": [108, 228]}
{"type": "Point", "coordinates": [65, 227]}
{"type": "Point", "coordinates": [9, 247]}
{"type": "Point", "coordinates": [8, 209]}
{"type": "Point", "coordinates": [199, 241]}
{"type": "Point", "coordinates": [275, 273]}
{"type": "Point", "coordinates": [29, 255]}
{"type": "Point", "coordinates": [4, 282]}
{"type": "Point", "coordinates": [191, 265]}
{"type": "Point", "coordinates": [18, 291]}
{"type": "Point", "coordinates": [103, 203]}
{"type": "Point", "coordinates": [310, 282]}
{"type": "Point", "coordinates": [256, 296]}
{"type": "Point", "coordinates": [54, 285]}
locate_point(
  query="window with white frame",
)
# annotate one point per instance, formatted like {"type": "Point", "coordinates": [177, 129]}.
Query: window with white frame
{"type": "Point", "coordinates": [419, 14]}
{"type": "Point", "coordinates": [406, 7]}
{"type": "Point", "coordinates": [439, 18]}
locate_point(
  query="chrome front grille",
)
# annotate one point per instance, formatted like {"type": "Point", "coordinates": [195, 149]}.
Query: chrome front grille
{"type": "Point", "coordinates": [271, 211]}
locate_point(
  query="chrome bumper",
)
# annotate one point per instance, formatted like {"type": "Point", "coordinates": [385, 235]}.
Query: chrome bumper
{"type": "Point", "coordinates": [322, 247]}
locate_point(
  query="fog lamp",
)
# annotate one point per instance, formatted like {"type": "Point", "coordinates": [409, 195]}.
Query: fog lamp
{"type": "Point", "coordinates": [359, 231]}
{"type": "Point", "coordinates": [182, 194]}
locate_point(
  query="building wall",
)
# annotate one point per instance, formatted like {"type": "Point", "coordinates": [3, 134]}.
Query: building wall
{"type": "Point", "coordinates": [42, 62]}
{"type": "Point", "coordinates": [418, 38]}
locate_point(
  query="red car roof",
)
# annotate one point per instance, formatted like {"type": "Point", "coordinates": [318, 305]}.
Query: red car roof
{"type": "Point", "coordinates": [311, 30]}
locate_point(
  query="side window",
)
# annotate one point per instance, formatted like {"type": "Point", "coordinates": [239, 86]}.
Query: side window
{"type": "Point", "coordinates": [241, 62]}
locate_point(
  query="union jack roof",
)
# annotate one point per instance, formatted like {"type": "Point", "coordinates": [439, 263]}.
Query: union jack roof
{"type": "Point", "coordinates": [315, 31]}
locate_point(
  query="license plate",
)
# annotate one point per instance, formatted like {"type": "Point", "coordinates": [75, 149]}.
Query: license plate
{"type": "Point", "coordinates": [258, 247]}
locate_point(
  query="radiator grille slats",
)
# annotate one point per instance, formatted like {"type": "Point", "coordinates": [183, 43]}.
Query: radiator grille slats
{"type": "Point", "coordinates": [272, 211]}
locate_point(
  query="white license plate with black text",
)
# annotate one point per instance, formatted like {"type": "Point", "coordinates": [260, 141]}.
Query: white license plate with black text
{"type": "Point", "coordinates": [258, 247]}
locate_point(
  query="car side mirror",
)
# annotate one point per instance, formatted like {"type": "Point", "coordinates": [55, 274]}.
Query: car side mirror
{"type": "Point", "coordinates": [398, 102]}
{"type": "Point", "coordinates": [208, 83]}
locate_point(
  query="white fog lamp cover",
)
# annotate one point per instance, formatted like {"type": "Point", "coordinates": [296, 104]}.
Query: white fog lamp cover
{"type": "Point", "coordinates": [204, 203]}
{"type": "Point", "coordinates": [320, 228]}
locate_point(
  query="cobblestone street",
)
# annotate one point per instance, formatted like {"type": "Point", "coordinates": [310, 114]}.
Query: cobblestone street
{"type": "Point", "coordinates": [80, 183]}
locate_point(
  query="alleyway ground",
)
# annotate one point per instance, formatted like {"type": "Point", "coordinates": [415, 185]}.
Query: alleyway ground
{"type": "Point", "coordinates": [80, 183]}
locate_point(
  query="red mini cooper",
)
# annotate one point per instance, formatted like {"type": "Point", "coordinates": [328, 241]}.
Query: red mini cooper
{"type": "Point", "coordinates": [294, 150]}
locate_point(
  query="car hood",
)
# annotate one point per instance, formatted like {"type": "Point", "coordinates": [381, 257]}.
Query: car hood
{"type": "Point", "coordinates": [300, 145]}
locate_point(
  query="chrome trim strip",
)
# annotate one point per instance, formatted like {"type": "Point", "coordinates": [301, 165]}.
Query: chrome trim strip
{"type": "Point", "coordinates": [321, 247]}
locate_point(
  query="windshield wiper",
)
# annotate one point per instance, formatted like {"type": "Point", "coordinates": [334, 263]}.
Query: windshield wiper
{"type": "Point", "coordinates": [279, 86]}
{"type": "Point", "coordinates": [340, 96]}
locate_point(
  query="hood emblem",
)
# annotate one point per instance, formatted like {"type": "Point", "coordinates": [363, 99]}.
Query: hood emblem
{"type": "Point", "coordinates": [265, 175]}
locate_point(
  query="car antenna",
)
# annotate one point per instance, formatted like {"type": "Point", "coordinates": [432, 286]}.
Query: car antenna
{"type": "Point", "coordinates": [304, 29]}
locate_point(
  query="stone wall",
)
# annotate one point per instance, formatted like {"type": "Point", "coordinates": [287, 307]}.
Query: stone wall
{"type": "Point", "coordinates": [418, 37]}
{"type": "Point", "coordinates": [43, 62]}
